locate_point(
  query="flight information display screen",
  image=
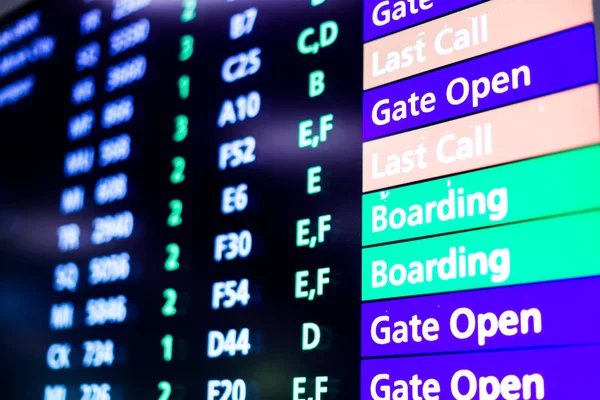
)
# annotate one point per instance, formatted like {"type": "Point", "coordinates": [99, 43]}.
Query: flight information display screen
{"type": "Point", "coordinates": [301, 199]}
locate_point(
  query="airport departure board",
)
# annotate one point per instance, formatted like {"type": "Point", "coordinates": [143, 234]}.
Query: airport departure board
{"type": "Point", "coordinates": [300, 199]}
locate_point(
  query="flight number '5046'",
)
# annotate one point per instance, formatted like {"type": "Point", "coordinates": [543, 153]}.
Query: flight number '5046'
{"type": "Point", "coordinates": [233, 245]}
{"type": "Point", "coordinates": [231, 343]}
{"type": "Point", "coordinates": [236, 153]}
{"type": "Point", "coordinates": [229, 293]}
{"type": "Point", "coordinates": [100, 311]}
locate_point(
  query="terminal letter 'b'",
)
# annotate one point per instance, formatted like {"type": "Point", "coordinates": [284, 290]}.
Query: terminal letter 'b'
{"type": "Point", "coordinates": [316, 85]}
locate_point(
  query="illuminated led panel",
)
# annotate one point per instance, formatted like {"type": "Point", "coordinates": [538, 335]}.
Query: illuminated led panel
{"type": "Point", "coordinates": [546, 125]}
{"type": "Point", "coordinates": [549, 374]}
{"type": "Point", "coordinates": [506, 77]}
{"type": "Point", "coordinates": [547, 314]}
{"type": "Point", "coordinates": [478, 30]}
{"type": "Point", "coordinates": [537, 251]}
{"type": "Point", "coordinates": [540, 187]}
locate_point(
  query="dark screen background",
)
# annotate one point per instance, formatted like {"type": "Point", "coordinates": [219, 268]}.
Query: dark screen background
{"type": "Point", "coordinates": [33, 144]}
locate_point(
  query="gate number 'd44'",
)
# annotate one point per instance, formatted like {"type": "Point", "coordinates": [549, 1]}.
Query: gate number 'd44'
{"type": "Point", "coordinates": [232, 342]}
